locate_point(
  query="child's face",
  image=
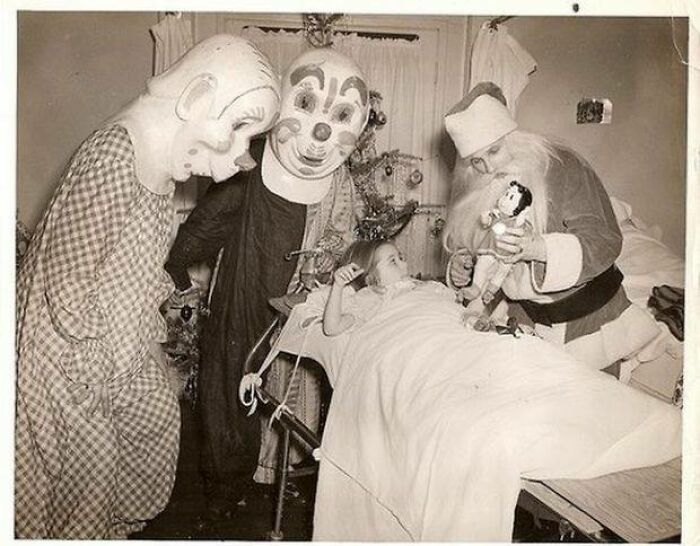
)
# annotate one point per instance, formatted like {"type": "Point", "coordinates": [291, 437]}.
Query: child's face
{"type": "Point", "coordinates": [391, 266]}
{"type": "Point", "coordinates": [509, 201]}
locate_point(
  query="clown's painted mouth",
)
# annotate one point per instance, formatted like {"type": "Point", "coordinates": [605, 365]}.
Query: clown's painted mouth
{"type": "Point", "coordinates": [311, 161]}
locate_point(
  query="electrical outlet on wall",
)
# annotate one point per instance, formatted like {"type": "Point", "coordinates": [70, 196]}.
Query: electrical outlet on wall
{"type": "Point", "coordinates": [591, 110]}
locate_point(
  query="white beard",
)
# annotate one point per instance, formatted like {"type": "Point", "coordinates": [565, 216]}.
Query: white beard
{"type": "Point", "coordinates": [474, 193]}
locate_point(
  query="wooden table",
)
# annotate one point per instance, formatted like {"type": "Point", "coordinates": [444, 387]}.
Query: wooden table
{"type": "Point", "coordinates": [641, 505]}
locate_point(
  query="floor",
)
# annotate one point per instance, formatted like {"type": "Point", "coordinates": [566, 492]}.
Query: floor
{"type": "Point", "coordinates": [184, 517]}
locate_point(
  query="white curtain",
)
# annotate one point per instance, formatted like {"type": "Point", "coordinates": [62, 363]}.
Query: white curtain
{"type": "Point", "coordinates": [172, 36]}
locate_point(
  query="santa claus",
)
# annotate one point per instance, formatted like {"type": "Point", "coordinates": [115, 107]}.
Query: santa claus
{"type": "Point", "coordinates": [564, 274]}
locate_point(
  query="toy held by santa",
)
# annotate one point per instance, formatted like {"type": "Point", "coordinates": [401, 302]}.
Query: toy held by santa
{"type": "Point", "coordinates": [512, 210]}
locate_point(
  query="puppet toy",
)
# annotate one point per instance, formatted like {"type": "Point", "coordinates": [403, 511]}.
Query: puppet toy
{"type": "Point", "coordinates": [298, 200]}
{"type": "Point", "coordinates": [98, 424]}
{"type": "Point", "coordinates": [490, 270]}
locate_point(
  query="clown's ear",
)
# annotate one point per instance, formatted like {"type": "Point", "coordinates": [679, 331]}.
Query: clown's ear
{"type": "Point", "coordinates": [197, 98]}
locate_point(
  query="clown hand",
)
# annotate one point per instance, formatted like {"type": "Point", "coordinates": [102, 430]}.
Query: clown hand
{"type": "Point", "coordinates": [190, 296]}
{"type": "Point", "coordinates": [520, 246]}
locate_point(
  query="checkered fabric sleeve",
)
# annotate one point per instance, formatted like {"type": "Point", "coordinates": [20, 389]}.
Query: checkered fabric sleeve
{"type": "Point", "coordinates": [90, 211]}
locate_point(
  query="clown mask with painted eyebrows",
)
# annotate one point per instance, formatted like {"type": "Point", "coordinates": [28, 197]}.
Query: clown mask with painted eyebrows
{"type": "Point", "coordinates": [226, 94]}
{"type": "Point", "coordinates": [325, 105]}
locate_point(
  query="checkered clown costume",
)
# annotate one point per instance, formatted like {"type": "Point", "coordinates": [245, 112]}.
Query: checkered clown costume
{"type": "Point", "coordinates": [98, 425]}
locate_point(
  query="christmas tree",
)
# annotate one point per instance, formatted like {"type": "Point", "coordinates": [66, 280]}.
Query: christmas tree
{"type": "Point", "coordinates": [383, 218]}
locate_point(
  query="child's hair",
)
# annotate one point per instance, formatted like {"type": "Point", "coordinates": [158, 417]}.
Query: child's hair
{"type": "Point", "coordinates": [362, 253]}
{"type": "Point", "coordinates": [525, 197]}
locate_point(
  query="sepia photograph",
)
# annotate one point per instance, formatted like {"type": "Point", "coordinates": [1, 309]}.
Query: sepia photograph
{"type": "Point", "coordinates": [352, 273]}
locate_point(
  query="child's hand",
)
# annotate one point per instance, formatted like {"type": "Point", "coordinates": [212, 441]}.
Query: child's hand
{"type": "Point", "coordinates": [344, 275]}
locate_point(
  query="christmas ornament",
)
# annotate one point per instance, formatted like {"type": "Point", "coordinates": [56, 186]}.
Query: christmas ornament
{"type": "Point", "coordinates": [183, 321]}
{"type": "Point", "coordinates": [380, 119]}
{"type": "Point", "coordinates": [389, 170]}
{"type": "Point", "coordinates": [186, 312]}
{"type": "Point", "coordinates": [438, 227]}
{"type": "Point", "coordinates": [416, 177]}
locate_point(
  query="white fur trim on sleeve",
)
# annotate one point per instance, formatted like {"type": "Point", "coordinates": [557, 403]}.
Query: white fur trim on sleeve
{"type": "Point", "coordinates": [564, 262]}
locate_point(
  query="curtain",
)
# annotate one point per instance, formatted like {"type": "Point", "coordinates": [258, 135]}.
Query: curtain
{"type": "Point", "coordinates": [172, 36]}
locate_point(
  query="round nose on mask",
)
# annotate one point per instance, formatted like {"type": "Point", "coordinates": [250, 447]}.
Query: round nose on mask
{"type": "Point", "coordinates": [245, 161]}
{"type": "Point", "coordinates": [322, 132]}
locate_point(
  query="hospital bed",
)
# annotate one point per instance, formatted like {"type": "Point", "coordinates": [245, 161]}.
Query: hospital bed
{"type": "Point", "coordinates": [640, 505]}
{"type": "Point", "coordinates": [637, 506]}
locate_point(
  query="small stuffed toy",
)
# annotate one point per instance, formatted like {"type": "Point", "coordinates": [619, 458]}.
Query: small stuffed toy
{"type": "Point", "coordinates": [512, 210]}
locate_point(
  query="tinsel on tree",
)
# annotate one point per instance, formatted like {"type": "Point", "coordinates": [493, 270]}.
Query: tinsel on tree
{"type": "Point", "coordinates": [383, 218]}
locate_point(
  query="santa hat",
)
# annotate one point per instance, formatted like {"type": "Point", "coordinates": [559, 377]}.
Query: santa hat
{"type": "Point", "coordinates": [479, 119]}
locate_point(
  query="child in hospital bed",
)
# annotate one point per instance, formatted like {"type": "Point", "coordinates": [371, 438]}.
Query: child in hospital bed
{"type": "Point", "coordinates": [378, 273]}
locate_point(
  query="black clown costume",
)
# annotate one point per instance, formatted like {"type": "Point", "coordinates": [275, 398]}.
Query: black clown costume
{"type": "Point", "coordinates": [298, 196]}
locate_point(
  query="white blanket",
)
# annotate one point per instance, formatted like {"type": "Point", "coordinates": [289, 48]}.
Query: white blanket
{"type": "Point", "coordinates": [432, 426]}
{"type": "Point", "coordinates": [647, 262]}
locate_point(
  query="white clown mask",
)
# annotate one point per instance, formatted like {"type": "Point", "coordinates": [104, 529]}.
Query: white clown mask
{"type": "Point", "coordinates": [325, 106]}
{"type": "Point", "coordinates": [226, 93]}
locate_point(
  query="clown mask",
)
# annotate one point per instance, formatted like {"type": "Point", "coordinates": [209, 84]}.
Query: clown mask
{"type": "Point", "coordinates": [229, 93]}
{"type": "Point", "coordinates": [325, 105]}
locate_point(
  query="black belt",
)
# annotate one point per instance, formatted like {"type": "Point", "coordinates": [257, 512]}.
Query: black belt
{"type": "Point", "coordinates": [588, 299]}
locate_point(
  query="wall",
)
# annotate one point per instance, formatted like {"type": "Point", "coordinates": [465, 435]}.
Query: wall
{"type": "Point", "coordinates": [74, 70]}
{"type": "Point", "coordinates": [632, 61]}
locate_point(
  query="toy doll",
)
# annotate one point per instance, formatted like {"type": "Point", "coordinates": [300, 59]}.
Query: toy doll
{"type": "Point", "coordinates": [512, 210]}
